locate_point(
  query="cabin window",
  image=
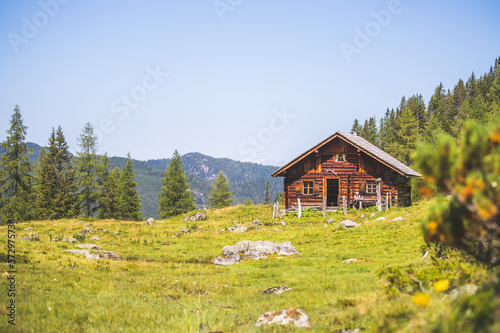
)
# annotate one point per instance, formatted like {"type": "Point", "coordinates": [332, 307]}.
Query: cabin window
{"type": "Point", "coordinates": [371, 187]}
{"type": "Point", "coordinates": [308, 188]}
{"type": "Point", "coordinates": [340, 158]}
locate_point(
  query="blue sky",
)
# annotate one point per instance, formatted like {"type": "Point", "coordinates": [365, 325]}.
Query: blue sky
{"type": "Point", "coordinates": [249, 80]}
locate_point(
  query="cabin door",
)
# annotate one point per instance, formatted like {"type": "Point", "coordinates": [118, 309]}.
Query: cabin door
{"type": "Point", "coordinates": [332, 192]}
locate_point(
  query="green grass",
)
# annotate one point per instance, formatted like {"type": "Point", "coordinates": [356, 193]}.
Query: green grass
{"type": "Point", "coordinates": [168, 284]}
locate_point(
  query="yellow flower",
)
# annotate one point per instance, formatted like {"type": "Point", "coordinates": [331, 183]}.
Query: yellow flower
{"type": "Point", "coordinates": [432, 225]}
{"type": "Point", "coordinates": [421, 299]}
{"type": "Point", "coordinates": [441, 285]}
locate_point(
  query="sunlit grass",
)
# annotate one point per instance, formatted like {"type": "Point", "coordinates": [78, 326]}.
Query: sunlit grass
{"type": "Point", "coordinates": [167, 284]}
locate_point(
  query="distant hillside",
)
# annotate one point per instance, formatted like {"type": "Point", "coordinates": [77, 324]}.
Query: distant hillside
{"type": "Point", "coordinates": [246, 179]}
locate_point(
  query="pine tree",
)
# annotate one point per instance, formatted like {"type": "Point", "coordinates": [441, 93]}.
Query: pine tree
{"type": "Point", "coordinates": [356, 127]}
{"type": "Point", "coordinates": [176, 196]}
{"type": "Point", "coordinates": [267, 196]}
{"type": "Point", "coordinates": [87, 166]}
{"type": "Point", "coordinates": [56, 186]}
{"type": "Point", "coordinates": [109, 199]}
{"type": "Point", "coordinates": [220, 196]}
{"type": "Point", "coordinates": [248, 202]}
{"type": "Point", "coordinates": [16, 184]}
{"type": "Point", "coordinates": [130, 203]}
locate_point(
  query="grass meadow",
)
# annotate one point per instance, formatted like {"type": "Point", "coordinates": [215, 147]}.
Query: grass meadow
{"type": "Point", "coordinates": [168, 284]}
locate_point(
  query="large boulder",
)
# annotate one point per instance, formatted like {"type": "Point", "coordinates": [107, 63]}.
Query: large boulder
{"type": "Point", "coordinates": [253, 250]}
{"type": "Point", "coordinates": [198, 216]}
{"type": "Point", "coordinates": [284, 317]}
{"type": "Point", "coordinates": [150, 221]}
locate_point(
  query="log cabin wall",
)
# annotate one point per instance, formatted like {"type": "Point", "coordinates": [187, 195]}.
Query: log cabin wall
{"type": "Point", "coordinates": [356, 172]}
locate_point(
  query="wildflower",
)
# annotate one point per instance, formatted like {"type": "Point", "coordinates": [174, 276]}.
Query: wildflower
{"type": "Point", "coordinates": [441, 285]}
{"type": "Point", "coordinates": [421, 299]}
{"type": "Point", "coordinates": [432, 226]}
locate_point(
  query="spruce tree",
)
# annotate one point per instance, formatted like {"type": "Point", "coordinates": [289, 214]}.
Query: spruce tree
{"type": "Point", "coordinates": [220, 196]}
{"type": "Point", "coordinates": [248, 202]}
{"type": "Point", "coordinates": [267, 196]}
{"type": "Point", "coordinates": [87, 166]}
{"type": "Point", "coordinates": [16, 184]}
{"type": "Point", "coordinates": [176, 196]}
{"type": "Point", "coordinates": [56, 186]}
{"type": "Point", "coordinates": [130, 203]}
{"type": "Point", "coordinates": [109, 199]}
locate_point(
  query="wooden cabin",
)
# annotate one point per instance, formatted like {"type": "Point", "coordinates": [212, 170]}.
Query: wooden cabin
{"type": "Point", "coordinates": [345, 167]}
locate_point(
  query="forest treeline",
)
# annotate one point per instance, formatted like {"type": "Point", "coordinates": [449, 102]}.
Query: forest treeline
{"type": "Point", "coordinates": [400, 130]}
{"type": "Point", "coordinates": [59, 185]}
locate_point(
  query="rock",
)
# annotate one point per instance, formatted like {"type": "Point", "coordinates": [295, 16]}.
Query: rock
{"type": "Point", "coordinates": [325, 225]}
{"type": "Point", "coordinates": [86, 231]}
{"type": "Point", "coordinates": [88, 246]}
{"type": "Point", "coordinates": [275, 290]}
{"type": "Point", "coordinates": [240, 229]}
{"type": "Point", "coordinates": [253, 250]}
{"type": "Point", "coordinates": [69, 240]}
{"type": "Point", "coordinates": [32, 237]}
{"type": "Point", "coordinates": [109, 255]}
{"type": "Point", "coordinates": [198, 216]}
{"type": "Point", "coordinates": [86, 253]}
{"type": "Point", "coordinates": [28, 229]}
{"type": "Point", "coordinates": [80, 221]}
{"type": "Point", "coordinates": [398, 219]}
{"type": "Point", "coordinates": [465, 290]}
{"type": "Point", "coordinates": [283, 223]}
{"type": "Point", "coordinates": [349, 224]}
{"type": "Point", "coordinates": [150, 221]}
{"type": "Point", "coordinates": [116, 233]}
{"type": "Point", "coordinates": [55, 239]}
{"type": "Point", "coordinates": [372, 215]}
{"type": "Point", "coordinates": [185, 231]}
{"type": "Point", "coordinates": [231, 228]}
{"type": "Point", "coordinates": [98, 255]}
{"type": "Point", "coordinates": [362, 216]}
{"type": "Point", "coordinates": [284, 317]}
{"type": "Point", "coordinates": [380, 218]}
{"type": "Point", "coordinates": [94, 238]}
{"type": "Point", "coordinates": [350, 260]}
{"type": "Point", "coordinates": [330, 220]}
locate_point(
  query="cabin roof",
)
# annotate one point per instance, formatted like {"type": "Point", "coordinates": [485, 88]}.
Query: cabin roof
{"type": "Point", "coordinates": [362, 145]}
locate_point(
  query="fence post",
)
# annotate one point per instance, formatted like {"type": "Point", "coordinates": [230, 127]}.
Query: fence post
{"type": "Point", "coordinates": [300, 209]}
{"type": "Point", "coordinates": [324, 206]}
{"type": "Point", "coordinates": [344, 204]}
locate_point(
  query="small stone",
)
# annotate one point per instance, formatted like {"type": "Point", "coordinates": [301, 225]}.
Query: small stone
{"type": "Point", "coordinates": [185, 231]}
{"type": "Point", "coordinates": [28, 229]}
{"type": "Point", "coordinates": [88, 246]}
{"type": "Point", "coordinates": [87, 231]}
{"type": "Point", "coordinates": [372, 215]}
{"type": "Point", "coordinates": [283, 223]}
{"type": "Point", "coordinates": [325, 225]}
{"type": "Point", "coordinates": [362, 216]}
{"type": "Point", "coordinates": [284, 317]}
{"type": "Point", "coordinates": [94, 238]}
{"type": "Point", "coordinates": [69, 239]}
{"type": "Point", "coordinates": [116, 233]}
{"type": "Point", "coordinates": [349, 224]}
{"type": "Point", "coordinates": [397, 219]}
{"type": "Point", "coordinates": [330, 220]}
{"type": "Point", "coordinates": [275, 290]}
{"type": "Point", "coordinates": [150, 221]}
{"type": "Point", "coordinates": [80, 221]}
{"type": "Point", "coordinates": [240, 229]}
{"type": "Point", "coordinates": [350, 260]}
{"type": "Point", "coordinates": [380, 218]}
